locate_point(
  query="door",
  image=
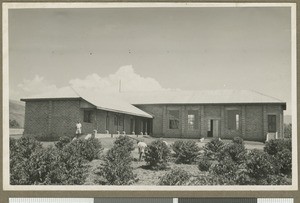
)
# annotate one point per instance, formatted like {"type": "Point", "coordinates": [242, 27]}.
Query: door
{"type": "Point", "coordinates": [215, 128]}
{"type": "Point", "coordinates": [272, 124]}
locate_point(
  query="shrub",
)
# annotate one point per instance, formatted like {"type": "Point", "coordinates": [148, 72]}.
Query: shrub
{"type": "Point", "coordinates": [238, 140]}
{"type": "Point", "coordinates": [13, 124]}
{"type": "Point", "coordinates": [213, 149]}
{"type": "Point", "coordinates": [51, 137]}
{"type": "Point", "coordinates": [272, 147]}
{"type": "Point", "coordinates": [63, 141]}
{"type": "Point", "coordinates": [24, 146]}
{"type": "Point", "coordinates": [157, 155]}
{"type": "Point", "coordinates": [116, 168]}
{"type": "Point", "coordinates": [225, 170]}
{"type": "Point", "coordinates": [204, 164]}
{"type": "Point", "coordinates": [88, 149]}
{"type": "Point", "coordinates": [185, 151]}
{"type": "Point", "coordinates": [49, 166]}
{"type": "Point", "coordinates": [235, 151]}
{"type": "Point", "coordinates": [124, 141]}
{"type": "Point", "coordinates": [284, 158]}
{"type": "Point", "coordinates": [259, 166]}
{"type": "Point", "coordinates": [287, 130]}
{"type": "Point", "coordinates": [176, 176]}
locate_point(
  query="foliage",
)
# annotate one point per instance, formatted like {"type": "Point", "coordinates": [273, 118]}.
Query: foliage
{"type": "Point", "coordinates": [63, 141]}
{"type": "Point", "coordinates": [176, 176]}
{"type": "Point", "coordinates": [204, 164]}
{"type": "Point", "coordinates": [33, 164]}
{"type": "Point", "coordinates": [185, 151]}
{"type": "Point", "coordinates": [51, 137]}
{"type": "Point", "coordinates": [116, 168]}
{"type": "Point", "coordinates": [157, 155]}
{"type": "Point", "coordinates": [284, 159]}
{"type": "Point", "coordinates": [235, 150]}
{"type": "Point", "coordinates": [226, 169]}
{"type": "Point", "coordinates": [272, 147]}
{"type": "Point", "coordinates": [87, 149]}
{"type": "Point", "coordinates": [213, 149]}
{"type": "Point", "coordinates": [124, 141]}
{"type": "Point", "coordinates": [288, 130]}
{"type": "Point", "coordinates": [13, 124]}
{"type": "Point", "coordinates": [259, 166]}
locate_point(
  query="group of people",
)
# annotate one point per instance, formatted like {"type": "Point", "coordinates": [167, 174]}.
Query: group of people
{"type": "Point", "coordinates": [140, 144]}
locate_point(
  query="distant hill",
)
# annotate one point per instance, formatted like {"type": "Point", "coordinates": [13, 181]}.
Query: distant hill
{"type": "Point", "coordinates": [287, 119]}
{"type": "Point", "coordinates": [17, 111]}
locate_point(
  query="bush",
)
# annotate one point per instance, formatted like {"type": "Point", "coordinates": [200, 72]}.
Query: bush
{"type": "Point", "coordinates": [287, 130]}
{"type": "Point", "coordinates": [24, 146]}
{"type": "Point", "coordinates": [49, 166]}
{"type": "Point", "coordinates": [116, 168]}
{"type": "Point", "coordinates": [213, 149]}
{"type": "Point", "coordinates": [51, 137]}
{"type": "Point", "coordinates": [284, 158]}
{"type": "Point", "coordinates": [272, 147]}
{"type": "Point", "coordinates": [185, 151]}
{"type": "Point", "coordinates": [238, 140]}
{"type": "Point", "coordinates": [63, 141]}
{"type": "Point", "coordinates": [87, 149]}
{"type": "Point", "coordinates": [259, 166]}
{"type": "Point", "coordinates": [225, 169]}
{"type": "Point", "coordinates": [13, 124]}
{"type": "Point", "coordinates": [124, 141]}
{"type": "Point", "coordinates": [157, 155]}
{"type": "Point", "coordinates": [235, 150]}
{"type": "Point", "coordinates": [204, 164]}
{"type": "Point", "coordinates": [176, 176]}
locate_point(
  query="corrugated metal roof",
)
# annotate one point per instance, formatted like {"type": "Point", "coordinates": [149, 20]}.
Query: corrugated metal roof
{"type": "Point", "coordinates": [124, 102]}
{"type": "Point", "coordinates": [199, 97]}
{"type": "Point", "coordinates": [101, 100]}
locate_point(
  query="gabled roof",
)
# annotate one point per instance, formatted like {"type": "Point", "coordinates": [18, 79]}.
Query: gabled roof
{"type": "Point", "coordinates": [199, 97]}
{"type": "Point", "coordinates": [104, 101]}
{"type": "Point", "coordinates": [124, 102]}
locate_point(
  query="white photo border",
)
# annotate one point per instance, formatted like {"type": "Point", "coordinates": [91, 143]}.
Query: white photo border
{"type": "Point", "coordinates": [5, 96]}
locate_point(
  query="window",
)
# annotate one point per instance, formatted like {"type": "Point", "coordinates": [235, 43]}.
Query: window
{"type": "Point", "coordinates": [233, 119]}
{"type": "Point", "coordinates": [118, 120]}
{"type": "Point", "coordinates": [87, 116]}
{"type": "Point", "coordinates": [174, 119]}
{"type": "Point", "coordinates": [192, 120]}
{"type": "Point", "coordinates": [271, 123]}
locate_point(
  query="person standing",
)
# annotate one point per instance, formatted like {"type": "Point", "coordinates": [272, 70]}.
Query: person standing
{"type": "Point", "coordinates": [78, 129]}
{"type": "Point", "coordinates": [141, 146]}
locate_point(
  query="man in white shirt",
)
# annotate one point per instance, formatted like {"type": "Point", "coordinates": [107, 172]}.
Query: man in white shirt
{"type": "Point", "coordinates": [141, 146]}
{"type": "Point", "coordinates": [78, 129]}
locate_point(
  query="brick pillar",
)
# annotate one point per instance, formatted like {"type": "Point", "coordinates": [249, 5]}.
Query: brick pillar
{"type": "Point", "coordinates": [183, 122]}
{"type": "Point", "coordinates": [202, 122]}
{"type": "Point", "coordinates": [280, 133]}
{"type": "Point", "coordinates": [164, 118]}
{"type": "Point", "coordinates": [265, 122]}
{"type": "Point", "coordinates": [222, 122]}
{"type": "Point", "coordinates": [49, 117]}
{"type": "Point", "coordinates": [243, 121]}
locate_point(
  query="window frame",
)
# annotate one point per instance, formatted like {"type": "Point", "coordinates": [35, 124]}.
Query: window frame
{"type": "Point", "coordinates": [173, 121]}
{"type": "Point", "coordinates": [233, 125]}
{"type": "Point", "coordinates": [87, 116]}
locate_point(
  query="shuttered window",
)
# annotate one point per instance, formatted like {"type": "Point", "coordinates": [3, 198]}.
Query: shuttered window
{"type": "Point", "coordinates": [233, 119]}
{"type": "Point", "coordinates": [173, 119]}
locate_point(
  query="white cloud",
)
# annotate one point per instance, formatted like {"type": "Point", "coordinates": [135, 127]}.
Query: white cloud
{"type": "Point", "coordinates": [130, 81]}
{"type": "Point", "coordinates": [29, 87]}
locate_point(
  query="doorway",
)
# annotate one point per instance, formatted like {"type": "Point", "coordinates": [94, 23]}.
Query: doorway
{"type": "Point", "coordinates": [213, 128]}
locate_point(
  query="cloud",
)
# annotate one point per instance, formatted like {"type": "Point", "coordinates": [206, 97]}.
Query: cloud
{"type": "Point", "coordinates": [29, 87]}
{"type": "Point", "coordinates": [130, 81]}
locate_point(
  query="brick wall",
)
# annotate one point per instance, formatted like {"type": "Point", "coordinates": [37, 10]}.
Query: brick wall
{"type": "Point", "coordinates": [252, 120]}
{"type": "Point", "coordinates": [51, 117]}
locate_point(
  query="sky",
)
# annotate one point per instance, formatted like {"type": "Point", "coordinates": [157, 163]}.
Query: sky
{"type": "Point", "coordinates": [151, 49]}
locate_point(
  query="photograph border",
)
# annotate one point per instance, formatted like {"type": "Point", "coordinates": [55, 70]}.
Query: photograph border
{"type": "Point", "coordinates": [5, 83]}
